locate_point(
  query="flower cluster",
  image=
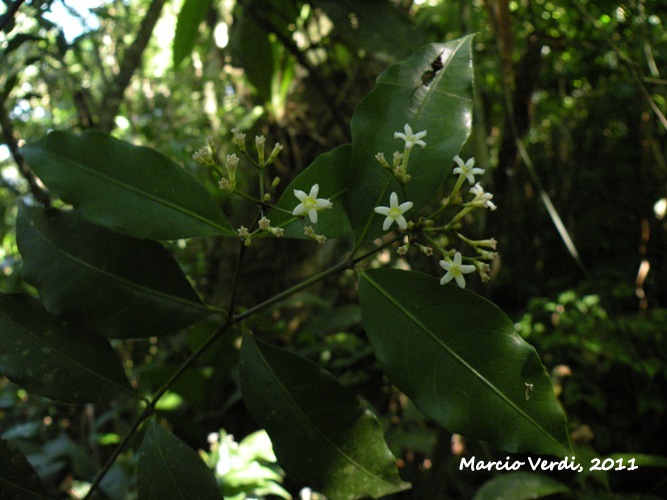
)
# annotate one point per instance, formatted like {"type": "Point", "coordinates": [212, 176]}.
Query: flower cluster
{"type": "Point", "coordinates": [208, 157]}
{"type": "Point", "coordinates": [431, 234]}
{"type": "Point", "coordinates": [428, 228]}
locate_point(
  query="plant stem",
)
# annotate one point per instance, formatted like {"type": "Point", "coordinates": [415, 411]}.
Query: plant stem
{"type": "Point", "coordinates": [121, 446]}
{"type": "Point", "coordinates": [230, 321]}
{"type": "Point", "coordinates": [345, 264]}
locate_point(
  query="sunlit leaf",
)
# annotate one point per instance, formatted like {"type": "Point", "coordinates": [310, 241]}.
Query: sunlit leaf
{"type": "Point", "coordinates": [170, 469]}
{"type": "Point", "coordinates": [132, 190]}
{"type": "Point", "coordinates": [120, 286]}
{"type": "Point", "coordinates": [61, 361]}
{"type": "Point", "coordinates": [458, 358]}
{"type": "Point", "coordinates": [411, 92]}
{"type": "Point", "coordinates": [320, 432]}
{"type": "Point", "coordinates": [17, 477]}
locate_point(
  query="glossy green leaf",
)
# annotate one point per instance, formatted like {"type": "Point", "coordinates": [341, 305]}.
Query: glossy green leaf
{"type": "Point", "coordinates": [121, 286]}
{"type": "Point", "coordinates": [410, 92]}
{"type": "Point", "coordinates": [18, 479]}
{"type": "Point", "coordinates": [61, 361]}
{"type": "Point", "coordinates": [328, 171]}
{"type": "Point", "coordinates": [190, 17]}
{"type": "Point", "coordinates": [458, 358]}
{"type": "Point", "coordinates": [321, 434]}
{"type": "Point", "coordinates": [128, 189]}
{"type": "Point", "coordinates": [520, 486]}
{"type": "Point", "coordinates": [170, 469]}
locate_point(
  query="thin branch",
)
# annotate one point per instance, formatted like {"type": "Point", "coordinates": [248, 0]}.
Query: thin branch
{"type": "Point", "coordinates": [132, 59]}
{"type": "Point", "coordinates": [347, 263]}
{"type": "Point", "coordinates": [231, 320]}
{"type": "Point", "coordinates": [8, 132]}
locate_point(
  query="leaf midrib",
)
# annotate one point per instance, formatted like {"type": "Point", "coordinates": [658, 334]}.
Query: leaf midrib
{"type": "Point", "coordinates": [21, 488]}
{"type": "Point", "coordinates": [165, 462]}
{"type": "Point", "coordinates": [460, 360]}
{"type": "Point", "coordinates": [132, 285]}
{"type": "Point", "coordinates": [310, 423]}
{"type": "Point", "coordinates": [62, 352]}
{"type": "Point", "coordinates": [422, 104]}
{"type": "Point", "coordinates": [140, 192]}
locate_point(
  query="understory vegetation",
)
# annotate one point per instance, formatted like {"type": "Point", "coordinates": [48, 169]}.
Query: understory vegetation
{"type": "Point", "coordinates": [333, 249]}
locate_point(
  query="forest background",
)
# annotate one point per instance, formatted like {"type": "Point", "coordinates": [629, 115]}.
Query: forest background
{"type": "Point", "coordinates": [569, 122]}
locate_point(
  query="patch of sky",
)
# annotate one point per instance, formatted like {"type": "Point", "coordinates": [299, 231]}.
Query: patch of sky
{"type": "Point", "coordinates": [74, 17]}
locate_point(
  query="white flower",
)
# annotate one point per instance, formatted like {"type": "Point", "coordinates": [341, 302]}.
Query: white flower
{"type": "Point", "coordinates": [310, 203]}
{"type": "Point", "coordinates": [455, 270]}
{"type": "Point", "coordinates": [411, 139]}
{"type": "Point", "coordinates": [467, 169]}
{"type": "Point", "coordinates": [482, 199]}
{"type": "Point", "coordinates": [394, 212]}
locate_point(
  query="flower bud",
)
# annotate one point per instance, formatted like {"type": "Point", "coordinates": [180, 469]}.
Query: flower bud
{"type": "Point", "coordinates": [277, 148]}
{"type": "Point", "coordinates": [239, 139]}
{"type": "Point", "coordinates": [231, 165]}
{"type": "Point", "coordinates": [260, 140]}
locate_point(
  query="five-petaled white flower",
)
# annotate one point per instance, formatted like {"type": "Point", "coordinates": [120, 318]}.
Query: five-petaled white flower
{"type": "Point", "coordinates": [310, 203]}
{"type": "Point", "coordinates": [467, 169]}
{"type": "Point", "coordinates": [411, 139]}
{"type": "Point", "coordinates": [455, 270]}
{"type": "Point", "coordinates": [394, 212]}
{"type": "Point", "coordinates": [482, 199]}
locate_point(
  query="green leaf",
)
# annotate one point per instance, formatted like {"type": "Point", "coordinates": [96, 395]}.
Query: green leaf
{"type": "Point", "coordinates": [458, 358]}
{"type": "Point", "coordinates": [442, 107]}
{"type": "Point", "coordinates": [18, 479]}
{"type": "Point", "coordinates": [61, 361]}
{"type": "Point", "coordinates": [168, 468]}
{"type": "Point", "coordinates": [120, 286]}
{"type": "Point", "coordinates": [128, 189]}
{"type": "Point", "coordinates": [321, 434]}
{"type": "Point", "coordinates": [251, 50]}
{"type": "Point", "coordinates": [190, 17]}
{"type": "Point", "coordinates": [520, 486]}
{"type": "Point", "coordinates": [328, 170]}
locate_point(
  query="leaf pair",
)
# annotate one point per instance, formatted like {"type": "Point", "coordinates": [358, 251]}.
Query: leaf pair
{"type": "Point", "coordinates": [321, 434]}
{"type": "Point", "coordinates": [441, 106]}
{"type": "Point", "coordinates": [351, 175]}
{"type": "Point", "coordinates": [455, 354]}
